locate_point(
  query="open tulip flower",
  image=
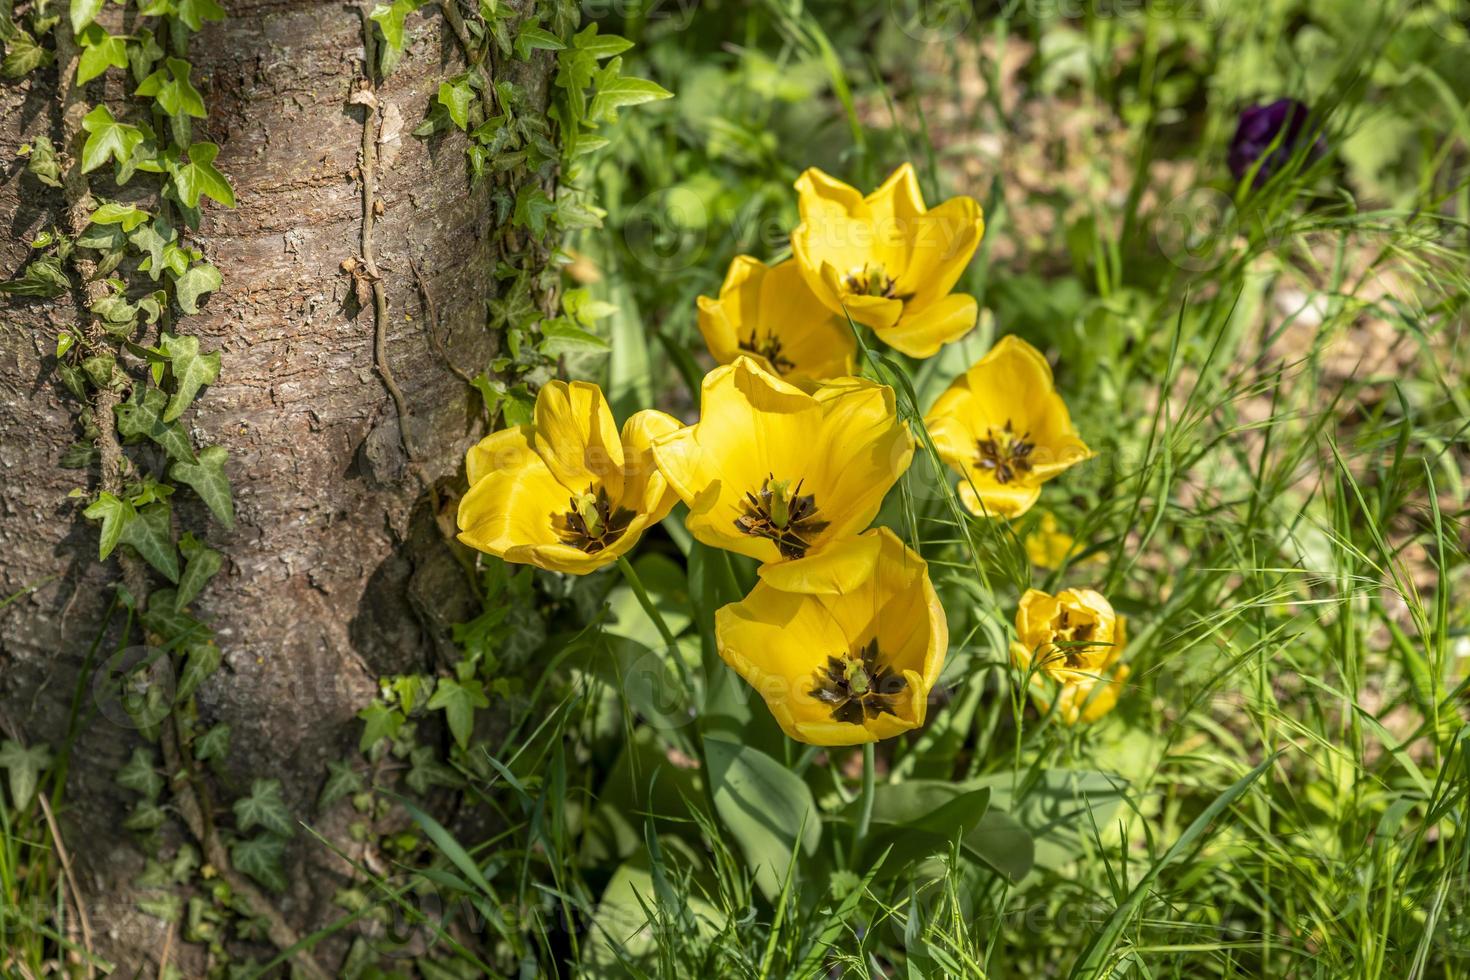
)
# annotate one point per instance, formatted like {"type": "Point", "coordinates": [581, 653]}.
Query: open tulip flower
{"type": "Point", "coordinates": [1074, 640]}
{"type": "Point", "coordinates": [1005, 429]}
{"type": "Point", "coordinates": [769, 313]}
{"type": "Point", "coordinates": [568, 492]}
{"type": "Point", "coordinates": [841, 669]}
{"type": "Point", "coordinates": [887, 260]}
{"type": "Point", "coordinates": [788, 476]}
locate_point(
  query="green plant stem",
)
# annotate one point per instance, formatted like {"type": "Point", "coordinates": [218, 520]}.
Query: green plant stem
{"type": "Point", "coordinates": [865, 814]}
{"type": "Point", "coordinates": [646, 601]}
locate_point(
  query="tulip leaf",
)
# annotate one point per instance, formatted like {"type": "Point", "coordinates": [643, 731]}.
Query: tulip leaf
{"type": "Point", "coordinates": [207, 478]}
{"type": "Point", "coordinates": [914, 820]}
{"type": "Point", "coordinates": [25, 766]}
{"type": "Point", "coordinates": [765, 806]}
{"type": "Point", "coordinates": [1000, 841]}
{"type": "Point", "coordinates": [1060, 810]}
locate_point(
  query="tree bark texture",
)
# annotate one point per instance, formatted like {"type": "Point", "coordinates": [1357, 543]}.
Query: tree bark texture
{"type": "Point", "coordinates": [335, 562]}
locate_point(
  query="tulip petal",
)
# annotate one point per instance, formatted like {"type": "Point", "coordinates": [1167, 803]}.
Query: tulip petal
{"type": "Point", "coordinates": [898, 199]}
{"type": "Point", "coordinates": [922, 333]}
{"type": "Point", "coordinates": [507, 449]}
{"type": "Point", "coordinates": [839, 568]}
{"type": "Point", "coordinates": [644, 487]}
{"type": "Point", "coordinates": [819, 194]}
{"type": "Point", "coordinates": [577, 438]}
{"type": "Point", "coordinates": [939, 245]}
{"type": "Point", "coordinates": [512, 507]}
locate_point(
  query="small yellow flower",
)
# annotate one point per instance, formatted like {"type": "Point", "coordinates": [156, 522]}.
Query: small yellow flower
{"type": "Point", "coordinates": [887, 259]}
{"type": "Point", "coordinates": [1048, 546]}
{"type": "Point", "coordinates": [841, 669]}
{"type": "Point", "coordinates": [568, 492]}
{"type": "Point", "coordinates": [1072, 640]}
{"type": "Point", "coordinates": [783, 474]}
{"type": "Point", "coordinates": [770, 314]}
{"type": "Point", "coordinates": [1005, 429]}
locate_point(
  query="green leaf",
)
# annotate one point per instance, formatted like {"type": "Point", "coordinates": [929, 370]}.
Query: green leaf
{"type": "Point", "coordinates": [195, 12]}
{"type": "Point", "coordinates": [564, 337]}
{"type": "Point", "coordinates": [191, 371]}
{"type": "Point", "coordinates": [342, 781]}
{"type": "Point", "coordinates": [767, 809]}
{"type": "Point", "coordinates": [116, 516]}
{"type": "Point", "coordinates": [264, 807]}
{"type": "Point", "coordinates": [208, 480]}
{"type": "Point", "coordinates": [533, 208]}
{"type": "Point", "coordinates": [140, 775]}
{"type": "Point", "coordinates": [203, 563]}
{"type": "Point", "coordinates": [100, 50]}
{"type": "Point", "coordinates": [1001, 842]}
{"type": "Point", "coordinates": [428, 771]}
{"type": "Point", "coordinates": [83, 12]}
{"type": "Point", "coordinates": [25, 765]}
{"type": "Point", "coordinates": [260, 858]}
{"type": "Point", "coordinates": [202, 661]}
{"type": "Point", "coordinates": [458, 700]}
{"type": "Point", "coordinates": [390, 18]}
{"type": "Point", "coordinates": [23, 56]}
{"type": "Point", "coordinates": [199, 177]}
{"type": "Point", "coordinates": [175, 94]}
{"type": "Point", "coordinates": [599, 46]}
{"type": "Point", "coordinates": [146, 816]}
{"type": "Point", "coordinates": [201, 278]}
{"type": "Point", "coordinates": [611, 92]}
{"type": "Point", "coordinates": [213, 744]}
{"type": "Point", "coordinates": [44, 278]}
{"type": "Point", "coordinates": [107, 138]}
{"type": "Point", "coordinates": [41, 161]}
{"type": "Point", "coordinates": [917, 824]}
{"type": "Point", "coordinates": [153, 238]}
{"type": "Point", "coordinates": [152, 537]}
{"type": "Point", "coordinates": [126, 215]}
{"type": "Point", "coordinates": [533, 38]}
{"type": "Point", "coordinates": [379, 722]}
{"type": "Point", "coordinates": [142, 416]}
{"type": "Point", "coordinates": [456, 97]}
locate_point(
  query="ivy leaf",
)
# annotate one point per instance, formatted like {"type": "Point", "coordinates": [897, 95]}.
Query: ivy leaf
{"type": "Point", "coordinates": [146, 816]}
{"type": "Point", "coordinates": [203, 563]}
{"type": "Point", "coordinates": [195, 12]}
{"type": "Point", "coordinates": [175, 94]}
{"type": "Point", "coordinates": [342, 781]}
{"type": "Point", "coordinates": [152, 537]}
{"type": "Point", "coordinates": [428, 771]}
{"type": "Point", "coordinates": [23, 56]}
{"type": "Point", "coordinates": [456, 97]}
{"type": "Point", "coordinates": [264, 807]}
{"type": "Point", "coordinates": [613, 92]}
{"type": "Point", "coordinates": [41, 160]}
{"type": "Point", "coordinates": [202, 661]}
{"type": "Point", "coordinates": [260, 858]}
{"type": "Point", "coordinates": [83, 12]}
{"type": "Point", "coordinates": [44, 277]}
{"type": "Point", "coordinates": [533, 38]}
{"type": "Point", "coordinates": [199, 177]}
{"type": "Point", "coordinates": [191, 371]}
{"type": "Point", "coordinates": [116, 515]}
{"type": "Point", "coordinates": [390, 18]}
{"type": "Point", "coordinates": [25, 765]}
{"type": "Point", "coordinates": [599, 46]}
{"type": "Point", "coordinates": [107, 138]}
{"type": "Point", "coordinates": [201, 278]}
{"type": "Point", "coordinates": [207, 478]}
{"type": "Point", "coordinates": [533, 207]}
{"type": "Point", "coordinates": [152, 238]}
{"type": "Point", "coordinates": [458, 700]}
{"type": "Point", "coordinates": [379, 722]}
{"type": "Point", "coordinates": [100, 50]}
{"type": "Point", "coordinates": [213, 744]}
{"type": "Point", "coordinates": [564, 337]}
{"type": "Point", "coordinates": [142, 416]}
{"type": "Point", "coordinates": [140, 776]}
{"type": "Point", "coordinates": [126, 215]}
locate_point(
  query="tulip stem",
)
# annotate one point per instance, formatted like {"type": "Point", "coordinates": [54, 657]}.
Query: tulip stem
{"type": "Point", "coordinates": [644, 600]}
{"type": "Point", "coordinates": [865, 814]}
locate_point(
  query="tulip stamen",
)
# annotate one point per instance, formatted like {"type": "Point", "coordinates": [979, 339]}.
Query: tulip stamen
{"type": "Point", "coordinates": [770, 349]}
{"type": "Point", "coordinates": [783, 514]}
{"type": "Point", "coordinates": [1005, 455]}
{"type": "Point", "coordinates": [858, 687]}
{"type": "Point", "coordinates": [1074, 640]}
{"type": "Point", "coordinates": [591, 523]}
{"type": "Point", "coordinates": [872, 280]}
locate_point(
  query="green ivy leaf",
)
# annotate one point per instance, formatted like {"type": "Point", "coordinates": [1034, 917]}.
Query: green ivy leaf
{"type": "Point", "coordinates": [83, 12]}
{"type": "Point", "coordinates": [456, 97]}
{"type": "Point", "coordinates": [25, 765]}
{"type": "Point", "coordinates": [23, 56]}
{"type": "Point", "coordinates": [201, 278]}
{"type": "Point", "coordinates": [260, 858]}
{"type": "Point", "coordinates": [195, 12]}
{"type": "Point", "coordinates": [203, 563]}
{"type": "Point", "coordinates": [100, 50]}
{"type": "Point", "coordinates": [613, 92]}
{"type": "Point", "coordinates": [152, 537]}
{"type": "Point", "coordinates": [116, 515]}
{"type": "Point", "coordinates": [153, 238]}
{"type": "Point", "coordinates": [107, 138]}
{"type": "Point", "coordinates": [41, 160]}
{"type": "Point", "coordinates": [264, 807]}
{"type": "Point", "coordinates": [199, 177]}
{"type": "Point", "coordinates": [390, 18]}
{"type": "Point", "coordinates": [458, 700]}
{"type": "Point", "coordinates": [202, 661]}
{"type": "Point", "coordinates": [175, 94]}
{"type": "Point", "coordinates": [564, 337]}
{"type": "Point", "coordinates": [139, 774]}
{"type": "Point", "coordinates": [379, 722]}
{"type": "Point", "coordinates": [533, 38]}
{"type": "Point", "coordinates": [342, 781]}
{"type": "Point", "coordinates": [428, 771]}
{"type": "Point", "coordinates": [213, 744]}
{"type": "Point", "coordinates": [597, 45]}
{"type": "Point", "coordinates": [146, 816]}
{"type": "Point", "coordinates": [44, 278]}
{"type": "Point", "coordinates": [191, 369]}
{"type": "Point", "coordinates": [533, 208]}
{"type": "Point", "coordinates": [142, 416]}
{"type": "Point", "coordinates": [126, 215]}
{"type": "Point", "coordinates": [208, 480]}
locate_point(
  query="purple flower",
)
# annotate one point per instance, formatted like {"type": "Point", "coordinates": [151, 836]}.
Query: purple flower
{"type": "Point", "coordinates": [1260, 125]}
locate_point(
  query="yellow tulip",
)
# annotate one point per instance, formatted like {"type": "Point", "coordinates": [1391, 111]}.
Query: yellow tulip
{"type": "Point", "coordinates": [783, 475]}
{"type": "Point", "coordinates": [568, 492]}
{"type": "Point", "coordinates": [1005, 429]}
{"type": "Point", "coordinates": [886, 259]}
{"type": "Point", "coordinates": [1048, 546]}
{"type": "Point", "coordinates": [841, 669]}
{"type": "Point", "coordinates": [770, 314]}
{"type": "Point", "coordinates": [1073, 640]}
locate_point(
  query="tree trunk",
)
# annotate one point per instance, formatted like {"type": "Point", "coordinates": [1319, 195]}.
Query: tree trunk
{"type": "Point", "coordinates": [336, 556]}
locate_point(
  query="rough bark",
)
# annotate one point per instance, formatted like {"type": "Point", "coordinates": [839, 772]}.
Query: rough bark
{"type": "Point", "coordinates": [327, 565]}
